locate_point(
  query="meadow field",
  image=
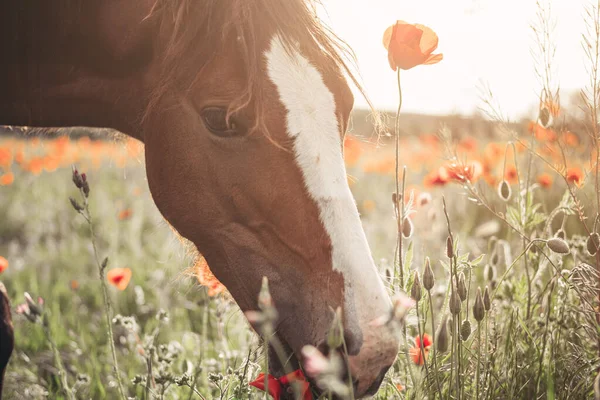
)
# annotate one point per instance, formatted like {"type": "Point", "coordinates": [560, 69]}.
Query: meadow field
{"type": "Point", "coordinates": [178, 335]}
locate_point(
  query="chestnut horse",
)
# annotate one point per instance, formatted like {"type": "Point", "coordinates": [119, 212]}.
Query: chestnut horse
{"type": "Point", "coordinates": [242, 106]}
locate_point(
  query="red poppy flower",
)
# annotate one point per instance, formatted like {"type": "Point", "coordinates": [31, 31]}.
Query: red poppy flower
{"type": "Point", "coordinates": [575, 175]}
{"type": "Point", "coordinates": [409, 45]}
{"type": "Point", "coordinates": [119, 277]}
{"type": "Point", "coordinates": [545, 180]}
{"type": "Point", "coordinates": [417, 354]}
{"type": "Point", "coordinates": [3, 264]}
{"type": "Point", "coordinates": [276, 384]}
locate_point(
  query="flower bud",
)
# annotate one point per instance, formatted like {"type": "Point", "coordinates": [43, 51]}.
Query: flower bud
{"type": "Point", "coordinates": [478, 307]}
{"type": "Point", "coordinates": [335, 336]}
{"type": "Point", "coordinates": [487, 301]}
{"type": "Point", "coordinates": [77, 180]}
{"type": "Point", "coordinates": [558, 245]}
{"type": "Point", "coordinates": [504, 190]}
{"type": "Point", "coordinates": [441, 337]}
{"type": "Point", "coordinates": [264, 296]}
{"type": "Point", "coordinates": [544, 117]}
{"type": "Point", "coordinates": [78, 207]}
{"type": "Point", "coordinates": [424, 199]}
{"type": "Point", "coordinates": [465, 330]}
{"type": "Point", "coordinates": [449, 247]}
{"type": "Point", "coordinates": [462, 287]}
{"type": "Point", "coordinates": [428, 278]}
{"type": "Point", "coordinates": [407, 228]}
{"type": "Point", "coordinates": [415, 290]}
{"type": "Point", "coordinates": [592, 244]}
{"type": "Point", "coordinates": [454, 302]}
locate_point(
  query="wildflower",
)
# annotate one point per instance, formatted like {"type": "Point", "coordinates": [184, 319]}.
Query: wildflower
{"type": "Point", "coordinates": [419, 354]}
{"type": "Point", "coordinates": [76, 177]}
{"type": "Point", "coordinates": [276, 385]}
{"type": "Point", "coordinates": [7, 179]}
{"type": "Point", "coordinates": [410, 45]}
{"type": "Point", "coordinates": [504, 190]}
{"type": "Point", "coordinates": [592, 244]}
{"type": "Point", "coordinates": [3, 264]}
{"type": "Point", "coordinates": [428, 277]}
{"type": "Point", "coordinates": [74, 285]}
{"type": "Point", "coordinates": [78, 207]}
{"type": "Point", "coordinates": [465, 172]}
{"type": "Point", "coordinates": [437, 178]}
{"type": "Point", "coordinates": [119, 277]}
{"type": "Point", "coordinates": [575, 175]}
{"type": "Point", "coordinates": [545, 180]}
{"type": "Point", "coordinates": [478, 307]}
{"type": "Point", "coordinates": [442, 336]}
{"type": "Point", "coordinates": [415, 290]}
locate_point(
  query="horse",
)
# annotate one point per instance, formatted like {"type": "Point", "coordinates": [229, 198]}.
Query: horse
{"type": "Point", "coordinates": [242, 106]}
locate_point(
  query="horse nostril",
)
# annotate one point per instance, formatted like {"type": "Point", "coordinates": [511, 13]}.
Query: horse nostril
{"type": "Point", "coordinates": [377, 382]}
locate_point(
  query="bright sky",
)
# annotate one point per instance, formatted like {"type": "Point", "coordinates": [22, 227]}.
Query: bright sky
{"type": "Point", "coordinates": [483, 41]}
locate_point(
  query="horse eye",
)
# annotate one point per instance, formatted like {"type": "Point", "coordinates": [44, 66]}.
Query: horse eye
{"type": "Point", "coordinates": [215, 119]}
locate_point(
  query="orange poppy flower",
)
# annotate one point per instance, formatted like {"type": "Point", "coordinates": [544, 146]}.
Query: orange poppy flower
{"type": "Point", "coordinates": [5, 157]}
{"type": "Point", "coordinates": [125, 214]}
{"type": "Point", "coordinates": [465, 172]}
{"type": "Point", "coordinates": [409, 45]}
{"type": "Point", "coordinates": [437, 178]}
{"type": "Point", "coordinates": [545, 180]}
{"type": "Point", "coordinates": [352, 150]}
{"type": "Point", "coordinates": [74, 284]}
{"type": "Point", "coordinates": [510, 174]}
{"type": "Point", "coordinates": [3, 264]}
{"type": "Point", "coordinates": [7, 179]}
{"type": "Point", "coordinates": [119, 277]}
{"type": "Point", "coordinates": [575, 175]}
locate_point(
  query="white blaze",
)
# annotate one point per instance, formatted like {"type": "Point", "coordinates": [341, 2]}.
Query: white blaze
{"type": "Point", "coordinates": [312, 123]}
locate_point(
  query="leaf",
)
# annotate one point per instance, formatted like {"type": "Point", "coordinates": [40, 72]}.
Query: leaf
{"type": "Point", "coordinates": [477, 261]}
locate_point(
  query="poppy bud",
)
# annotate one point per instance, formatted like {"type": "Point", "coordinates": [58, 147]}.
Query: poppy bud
{"type": "Point", "coordinates": [495, 258]}
{"type": "Point", "coordinates": [487, 301]}
{"type": "Point", "coordinates": [478, 307]}
{"type": "Point", "coordinates": [454, 302]}
{"type": "Point", "coordinates": [504, 190]}
{"type": "Point", "coordinates": [407, 228]}
{"type": "Point", "coordinates": [86, 188]}
{"type": "Point", "coordinates": [462, 287]}
{"type": "Point", "coordinates": [104, 263]}
{"type": "Point", "coordinates": [449, 247]}
{"type": "Point", "coordinates": [77, 180]}
{"type": "Point", "coordinates": [442, 337]}
{"type": "Point", "coordinates": [34, 308]}
{"type": "Point", "coordinates": [395, 198]}
{"type": "Point", "coordinates": [335, 336]}
{"type": "Point", "coordinates": [415, 290]}
{"type": "Point", "coordinates": [489, 272]}
{"type": "Point", "coordinates": [558, 245]}
{"type": "Point", "coordinates": [428, 278]}
{"type": "Point", "coordinates": [544, 117]}
{"type": "Point", "coordinates": [78, 207]}
{"type": "Point", "coordinates": [264, 296]}
{"type": "Point", "coordinates": [592, 243]}
{"type": "Point", "coordinates": [465, 330]}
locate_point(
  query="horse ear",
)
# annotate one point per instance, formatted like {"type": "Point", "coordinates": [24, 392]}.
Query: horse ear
{"type": "Point", "coordinates": [6, 333]}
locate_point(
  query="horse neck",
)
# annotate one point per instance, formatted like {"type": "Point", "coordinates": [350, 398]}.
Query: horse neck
{"type": "Point", "coordinates": [77, 65]}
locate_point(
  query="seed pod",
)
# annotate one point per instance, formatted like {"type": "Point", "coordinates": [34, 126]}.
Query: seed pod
{"type": "Point", "coordinates": [442, 337]}
{"type": "Point", "coordinates": [407, 228]}
{"type": "Point", "coordinates": [558, 245]}
{"type": "Point", "coordinates": [449, 247]}
{"type": "Point", "coordinates": [77, 178]}
{"type": "Point", "coordinates": [465, 330]}
{"type": "Point", "coordinates": [454, 302]}
{"type": "Point", "coordinates": [544, 117]}
{"type": "Point", "coordinates": [462, 287]}
{"type": "Point", "coordinates": [415, 290]}
{"type": "Point", "coordinates": [487, 301]}
{"type": "Point", "coordinates": [489, 272]}
{"type": "Point", "coordinates": [428, 277]}
{"type": "Point", "coordinates": [504, 190]}
{"type": "Point", "coordinates": [335, 336]}
{"type": "Point", "coordinates": [592, 244]}
{"type": "Point", "coordinates": [478, 308]}
{"type": "Point", "coordinates": [78, 207]}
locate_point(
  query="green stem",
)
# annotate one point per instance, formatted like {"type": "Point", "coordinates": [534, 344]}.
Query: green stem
{"type": "Point", "coordinates": [436, 372]}
{"type": "Point", "coordinates": [62, 373]}
{"type": "Point", "coordinates": [422, 347]}
{"type": "Point", "coordinates": [107, 306]}
{"type": "Point", "coordinates": [478, 359]}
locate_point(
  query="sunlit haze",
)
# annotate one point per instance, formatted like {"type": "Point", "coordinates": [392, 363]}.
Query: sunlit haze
{"type": "Point", "coordinates": [484, 42]}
